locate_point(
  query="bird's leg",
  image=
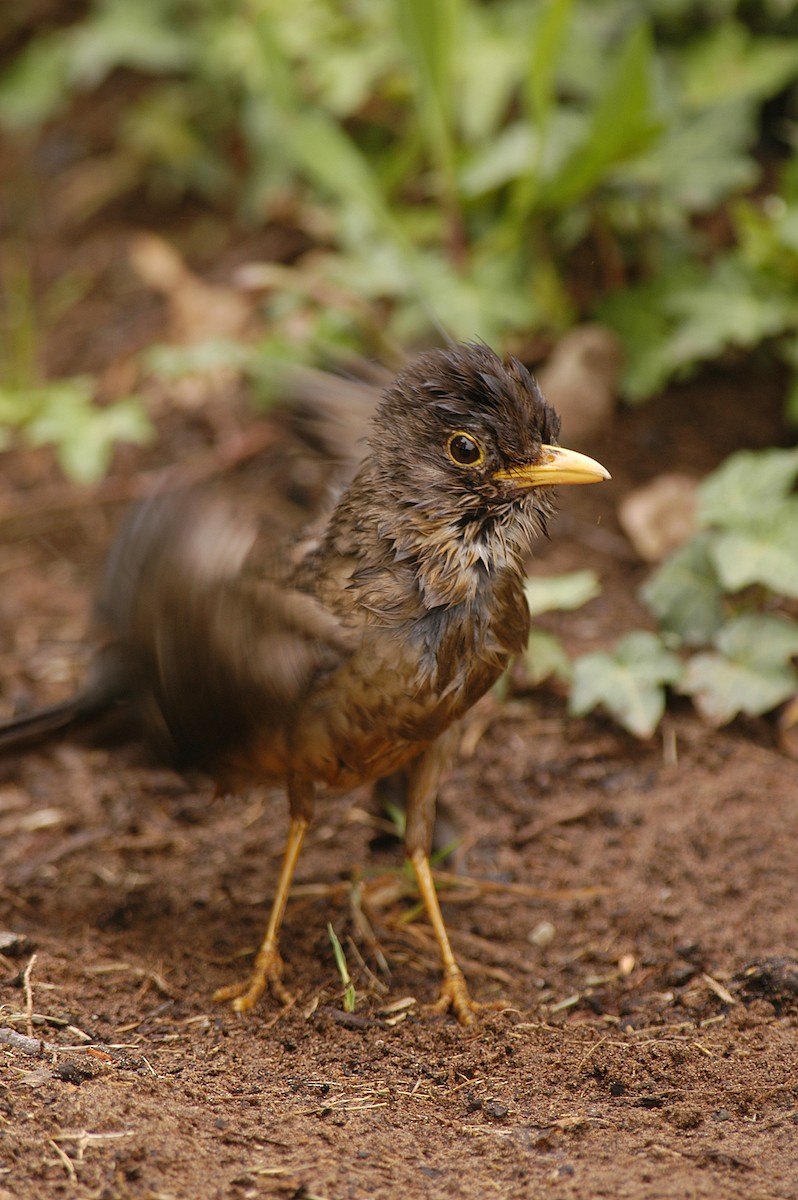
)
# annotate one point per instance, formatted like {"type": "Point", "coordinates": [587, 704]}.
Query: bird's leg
{"type": "Point", "coordinates": [268, 969]}
{"type": "Point", "coordinates": [423, 776]}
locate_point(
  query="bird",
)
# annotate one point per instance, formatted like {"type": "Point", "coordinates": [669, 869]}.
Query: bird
{"type": "Point", "coordinates": [348, 655]}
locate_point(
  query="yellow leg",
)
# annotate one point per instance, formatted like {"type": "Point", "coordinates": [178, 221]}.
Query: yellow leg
{"type": "Point", "coordinates": [454, 991]}
{"type": "Point", "coordinates": [268, 969]}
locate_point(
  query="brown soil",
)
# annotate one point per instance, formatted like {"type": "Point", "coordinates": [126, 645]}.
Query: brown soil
{"type": "Point", "coordinates": [632, 905]}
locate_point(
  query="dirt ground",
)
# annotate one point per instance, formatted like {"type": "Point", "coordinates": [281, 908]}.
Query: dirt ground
{"type": "Point", "coordinates": [631, 905]}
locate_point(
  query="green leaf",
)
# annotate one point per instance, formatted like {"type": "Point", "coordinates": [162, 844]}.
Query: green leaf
{"type": "Point", "coordinates": [430, 30]}
{"type": "Point", "coordinates": [544, 594]}
{"type": "Point", "coordinates": [506, 156]}
{"type": "Point", "coordinates": [124, 421]}
{"type": "Point", "coordinates": [761, 639]}
{"type": "Point", "coordinates": [326, 153]}
{"type": "Point", "coordinates": [730, 306]}
{"type": "Point", "coordinates": [34, 85]}
{"type": "Point", "coordinates": [686, 316]}
{"type": "Point", "coordinates": [751, 673]}
{"type": "Point", "coordinates": [545, 656]}
{"type": "Point", "coordinates": [629, 683]}
{"type": "Point", "coordinates": [767, 232]}
{"type": "Point", "coordinates": [211, 354]}
{"type": "Point", "coordinates": [83, 434]}
{"type": "Point", "coordinates": [350, 996]}
{"type": "Point", "coordinates": [746, 484]}
{"type": "Point", "coordinates": [685, 595]}
{"type": "Point", "coordinates": [766, 553]}
{"type": "Point", "coordinates": [700, 159]}
{"type": "Point", "coordinates": [729, 62]}
{"type": "Point", "coordinates": [120, 34]}
{"type": "Point", "coordinates": [546, 49]}
{"type": "Point", "coordinates": [489, 74]}
{"type": "Point", "coordinates": [18, 406]}
{"type": "Point", "coordinates": [639, 317]}
{"type": "Point", "coordinates": [621, 125]}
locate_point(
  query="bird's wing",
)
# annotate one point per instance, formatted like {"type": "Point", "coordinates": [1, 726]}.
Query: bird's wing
{"type": "Point", "coordinates": [218, 649]}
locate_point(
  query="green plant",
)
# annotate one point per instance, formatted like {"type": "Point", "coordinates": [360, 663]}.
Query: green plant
{"type": "Point", "coordinates": [350, 996]}
{"type": "Point", "coordinates": [61, 412]}
{"type": "Point", "coordinates": [696, 312]}
{"type": "Point", "coordinates": [725, 604]}
{"type": "Point", "coordinates": [629, 682]}
{"type": "Point", "coordinates": [455, 164]}
{"type": "Point", "coordinates": [730, 588]}
{"type": "Point", "coordinates": [545, 655]}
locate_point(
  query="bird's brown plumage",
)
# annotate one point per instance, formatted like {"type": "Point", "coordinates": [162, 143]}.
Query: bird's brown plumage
{"type": "Point", "coordinates": [345, 658]}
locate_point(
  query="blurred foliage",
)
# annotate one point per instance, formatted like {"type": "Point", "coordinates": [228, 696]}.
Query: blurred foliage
{"type": "Point", "coordinates": [725, 604]}
{"type": "Point", "coordinates": [63, 414]}
{"type": "Point", "coordinates": [496, 169]}
{"type": "Point", "coordinates": [629, 682]}
{"type": "Point", "coordinates": [545, 656]}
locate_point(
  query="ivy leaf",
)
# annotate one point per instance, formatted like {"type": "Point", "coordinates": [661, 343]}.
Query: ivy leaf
{"type": "Point", "coordinates": [729, 62]}
{"type": "Point", "coordinates": [731, 306]}
{"type": "Point", "coordinates": [638, 315]}
{"type": "Point", "coordinates": [744, 486]}
{"type": "Point", "coordinates": [83, 434]}
{"type": "Point", "coordinates": [766, 554]}
{"type": "Point", "coordinates": [564, 592]}
{"type": "Point", "coordinates": [684, 593]}
{"type": "Point", "coordinates": [629, 683]}
{"type": "Point", "coordinates": [748, 499]}
{"type": "Point", "coordinates": [701, 158]}
{"type": "Point", "coordinates": [761, 639]}
{"type": "Point", "coordinates": [545, 656]}
{"type": "Point", "coordinates": [686, 316]}
{"type": "Point", "coordinates": [751, 672]}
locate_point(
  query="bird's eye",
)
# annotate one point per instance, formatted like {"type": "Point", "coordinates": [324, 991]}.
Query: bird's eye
{"type": "Point", "coordinates": [464, 450]}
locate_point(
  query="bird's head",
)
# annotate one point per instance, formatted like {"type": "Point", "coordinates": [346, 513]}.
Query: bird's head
{"type": "Point", "coordinates": [466, 450]}
{"type": "Point", "coordinates": [472, 432]}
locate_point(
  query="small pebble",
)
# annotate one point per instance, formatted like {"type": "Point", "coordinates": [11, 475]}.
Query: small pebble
{"type": "Point", "coordinates": [542, 935]}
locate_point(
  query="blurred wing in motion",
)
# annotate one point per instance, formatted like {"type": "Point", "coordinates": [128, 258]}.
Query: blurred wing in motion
{"type": "Point", "coordinates": [212, 650]}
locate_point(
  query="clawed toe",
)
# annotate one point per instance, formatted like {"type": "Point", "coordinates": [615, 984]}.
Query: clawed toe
{"type": "Point", "coordinates": [266, 974]}
{"type": "Point", "coordinates": [455, 998]}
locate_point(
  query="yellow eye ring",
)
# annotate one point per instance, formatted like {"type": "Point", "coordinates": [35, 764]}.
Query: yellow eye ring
{"type": "Point", "coordinates": [464, 450]}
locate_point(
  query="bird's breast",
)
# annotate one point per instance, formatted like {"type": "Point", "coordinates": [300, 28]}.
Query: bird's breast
{"type": "Point", "coordinates": [399, 688]}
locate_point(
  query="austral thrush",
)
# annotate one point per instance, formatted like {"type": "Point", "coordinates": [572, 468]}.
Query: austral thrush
{"type": "Point", "coordinates": [346, 657]}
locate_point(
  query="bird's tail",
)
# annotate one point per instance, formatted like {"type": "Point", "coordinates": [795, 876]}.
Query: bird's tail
{"type": "Point", "coordinates": [107, 686]}
{"type": "Point", "coordinates": [39, 725]}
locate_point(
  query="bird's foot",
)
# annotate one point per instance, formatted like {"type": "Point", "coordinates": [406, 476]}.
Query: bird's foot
{"type": "Point", "coordinates": [455, 997]}
{"type": "Point", "coordinates": [267, 973]}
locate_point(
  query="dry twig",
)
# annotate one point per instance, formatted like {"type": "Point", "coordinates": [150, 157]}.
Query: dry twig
{"type": "Point", "coordinates": [26, 983]}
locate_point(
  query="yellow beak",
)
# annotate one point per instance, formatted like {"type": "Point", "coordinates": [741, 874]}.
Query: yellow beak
{"type": "Point", "coordinates": [556, 465]}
